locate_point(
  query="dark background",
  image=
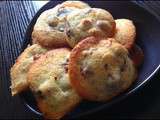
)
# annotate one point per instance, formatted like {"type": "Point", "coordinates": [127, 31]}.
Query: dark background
{"type": "Point", "coordinates": [14, 19]}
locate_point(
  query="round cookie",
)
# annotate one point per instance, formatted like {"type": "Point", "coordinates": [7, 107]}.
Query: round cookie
{"type": "Point", "coordinates": [19, 70]}
{"type": "Point", "coordinates": [125, 32]}
{"type": "Point", "coordinates": [98, 69]}
{"type": "Point", "coordinates": [89, 22]}
{"type": "Point", "coordinates": [50, 26]}
{"type": "Point", "coordinates": [49, 82]}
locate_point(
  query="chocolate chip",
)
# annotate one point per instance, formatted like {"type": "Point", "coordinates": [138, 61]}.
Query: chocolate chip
{"type": "Point", "coordinates": [123, 66]}
{"type": "Point", "coordinates": [103, 24]}
{"type": "Point", "coordinates": [35, 57]}
{"type": "Point", "coordinates": [67, 60]}
{"type": "Point", "coordinates": [55, 78]}
{"type": "Point", "coordinates": [91, 53]}
{"type": "Point", "coordinates": [106, 66]}
{"type": "Point", "coordinates": [66, 69]}
{"type": "Point", "coordinates": [110, 77]}
{"type": "Point", "coordinates": [39, 94]}
{"type": "Point", "coordinates": [65, 65]}
{"type": "Point", "coordinates": [69, 33]}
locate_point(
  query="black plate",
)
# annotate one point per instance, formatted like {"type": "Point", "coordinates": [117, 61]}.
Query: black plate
{"type": "Point", "coordinates": [147, 38]}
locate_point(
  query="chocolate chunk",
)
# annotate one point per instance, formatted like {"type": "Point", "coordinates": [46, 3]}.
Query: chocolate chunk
{"type": "Point", "coordinates": [67, 60]}
{"type": "Point", "coordinates": [123, 66]}
{"type": "Point", "coordinates": [103, 24]}
{"type": "Point", "coordinates": [66, 69]}
{"type": "Point", "coordinates": [39, 94]}
{"type": "Point", "coordinates": [110, 77]}
{"type": "Point", "coordinates": [106, 66]}
{"type": "Point", "coordinates": [69, 32]}
{"type": "Point", "coordinates": [35, 57]}
{"type": "Point", "coordinates": [65, 65]}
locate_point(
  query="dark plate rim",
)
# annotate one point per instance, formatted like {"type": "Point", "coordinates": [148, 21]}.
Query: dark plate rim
{"type": "Point", "coordinates": [118, 99]}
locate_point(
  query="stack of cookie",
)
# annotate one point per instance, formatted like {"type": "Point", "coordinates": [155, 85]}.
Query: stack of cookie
{"type": "Point", "coordinates": [77, 52]}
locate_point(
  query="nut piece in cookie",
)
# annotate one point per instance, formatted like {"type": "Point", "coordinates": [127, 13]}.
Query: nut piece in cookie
{"type": "Point", "coordinates": [125, 32]}
{"type": "Point", "coordinates": [100, 69]}
{"type": "Point", "coordinates": [51, 24]}
{"type": "Point", "coordinates": [49, 82]}
{"type": "Point", "coordinates": [89, 22]}
{"type": "Point", "coordinates": [20, 68]}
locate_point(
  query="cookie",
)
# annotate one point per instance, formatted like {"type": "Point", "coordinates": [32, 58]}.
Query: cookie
{"type": "Point", "coordinates": [98, 69]}
{"type": "Point", "coordinates": [89, 22]}
{"type": "Point", "coordinates": [19, 70]}
{"type": "Point", "coordinates": [125, 32]}
{"type": "Point", "coordinates": [49, 82]}
{"type": "Point", "coordinates": [50, 26]}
